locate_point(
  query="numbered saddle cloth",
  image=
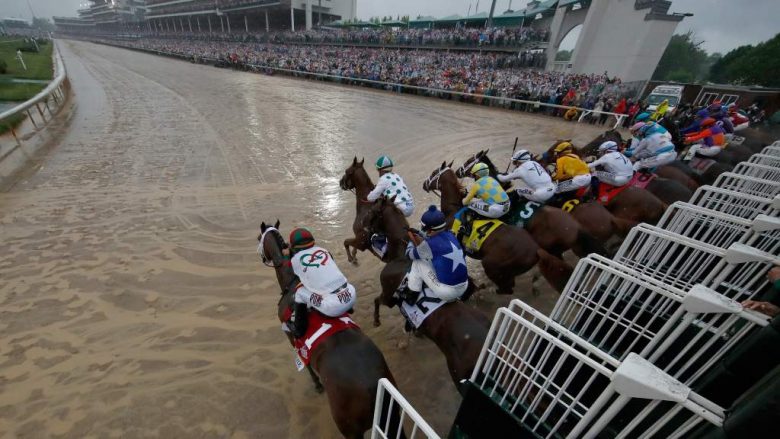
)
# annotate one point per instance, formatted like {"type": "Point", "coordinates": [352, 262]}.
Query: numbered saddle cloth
{"type": "Point", "coordinates": [426, 305]}
{"type": "Point", "coordinates": [480, 228]}
{"type": "Point", "coordinates": [607, 192]}
{"type": "Point", "coordinates": [522, 211]}
{"type": "Point", "coordinates": [568, 201]}
{"type": "Point", "coordinates": [320, 328]}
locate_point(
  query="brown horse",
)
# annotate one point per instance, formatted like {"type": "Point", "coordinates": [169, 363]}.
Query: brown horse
{"type": "Point", "coordinates": [348, 363]}
{"type": "Point", "coordinates": [458, 330]}
{"type": "Point", "coordinates": [555, 230]}
{"type": "Point", "coordinates": [356, 179]}
{"type": "Point", "coordinates": [633, 204]}
{"type": "Point", "coordinates": [509, 251]}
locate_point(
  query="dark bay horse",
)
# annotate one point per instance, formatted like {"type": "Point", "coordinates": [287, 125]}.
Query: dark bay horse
{"type": "Point", "coordinates": [509, 251]}
{"type": "Point", "coordinates": [458, 330]}
{"type": "Point", "coordinates": [356, 179]}
{"type": "Point", "coordinates": [348, 363]}
{"type": "Point", "coordinates": [555, 230]}
{"type": "Point", "coordinates": [633, 204]}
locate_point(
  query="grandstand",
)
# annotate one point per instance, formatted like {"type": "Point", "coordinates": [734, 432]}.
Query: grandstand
{"type": "Point", "coordinates": [105, 15]}
{"type": "Point", "coordinates": [245, 15]}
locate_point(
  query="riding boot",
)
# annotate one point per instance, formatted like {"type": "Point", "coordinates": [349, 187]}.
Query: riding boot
{"type": "Point", "coordinates": [301, 323]}
{"type": "Point", "coordinates": [594, 186]}
{"type": "Point", "coordinates": [408, 295]}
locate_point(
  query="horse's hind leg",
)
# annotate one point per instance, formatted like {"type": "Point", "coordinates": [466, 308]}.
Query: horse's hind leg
{"type": "Point", "coordinates": [377, 304]}
{"type": "Point", "coordinates": [317, 384]}
{"type": "Point", "coordinates": [351, 254]}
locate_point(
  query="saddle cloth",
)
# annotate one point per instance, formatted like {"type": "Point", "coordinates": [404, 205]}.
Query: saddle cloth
{"type": "Point", "coordinates": [320, 328]}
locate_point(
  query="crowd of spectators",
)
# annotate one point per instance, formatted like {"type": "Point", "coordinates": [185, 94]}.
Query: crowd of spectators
{"type": "Point", "coordinates": [501, 75]}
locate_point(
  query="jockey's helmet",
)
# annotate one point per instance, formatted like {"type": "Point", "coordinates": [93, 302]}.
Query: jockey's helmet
{"type": "Point", "coordinates": [301, 238]}
{"type": "Point", "coordinates": [642, 117]}
{"type": "Point", "coordinates": [433, 220]}
{"type": "Point", "coordinates": [636, 127]}
{"type": "Point", "coordinates": [521, 156]}
{"type": "Point", "coordinates": [702, 114]}
{"type": "Point", "coordinates": [384, 162]}
{"type": "Point", "coordinates": [608, 146]}
{"type": "Point", "coordinates": [480, 170]}
{"type": "Point", "coordinates": [564, 147]}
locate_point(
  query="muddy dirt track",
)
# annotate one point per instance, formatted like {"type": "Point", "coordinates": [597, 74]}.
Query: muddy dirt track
{"type": "Point", "coordinates": [132, 302]}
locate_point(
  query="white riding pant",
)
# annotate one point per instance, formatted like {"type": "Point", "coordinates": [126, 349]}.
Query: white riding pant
{"type": "Point", "coordinates": [332, 304]}
{"type": "Point", "coordinates": [540, 195]}
{"type": "Point", "coordinates": [493, 211]}
{"type": "Point", "coordinates": [655, 161]}
{"type": "Point", "coordinates": [422, 272]}
{"type": "Point", "coordinates": [574, 183]}
{"type": "Point", "coordinates": [706, 151]}
{"type": "Point", "coordinates": [407, 208]}
{"type": "Point", "coordinates": [613, 179]}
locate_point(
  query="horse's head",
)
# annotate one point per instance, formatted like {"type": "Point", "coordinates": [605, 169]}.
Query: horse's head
{"type": "Point", "coordinates": [592, 148]}
{"type": "Point", "coordinates": [434, 181]}
{"type": "Point", "coordinates": [272, 245]}
{"type": "Point", "coordinates": [463, 171]}
{"type": "Point", "coordinates": [356, 177]}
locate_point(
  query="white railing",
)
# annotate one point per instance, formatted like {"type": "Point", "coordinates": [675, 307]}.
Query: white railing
{"type": "Point", "coordinates": [498, 100]}
{"type": "Point", "coordinates": [764, 159]}
{"type": "Point", "coordinates": [55, 90]}
{"type": "Point", "coordinates": [394, 416]}
{"type": "Point", "coordinates": [622, 311]}
{"type": "Point", "coordinates": [559, 385]}
{"type": "Point", "coordinates": [735, 203]}
{"type": "Point", "coordinates": [738, 272]}
{"type": "Point", "coordinates": [720, 229]}
{"type": "Point", "coordinates": [773, 149]}
{"type": "Point", "coordinates": [747, 185]}
{"type": "Point", "coordinates": [758, 171]}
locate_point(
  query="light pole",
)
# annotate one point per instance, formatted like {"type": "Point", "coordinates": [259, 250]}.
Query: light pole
{"type": "Point", "coordinates": [490, 16]}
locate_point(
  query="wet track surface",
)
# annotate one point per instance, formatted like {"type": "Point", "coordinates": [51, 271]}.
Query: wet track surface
{"type": "Point", "coordinates": [132, 302]}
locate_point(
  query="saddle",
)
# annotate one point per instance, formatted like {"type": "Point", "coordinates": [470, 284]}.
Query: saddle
{"type": "Point", "coordinates": [608, 192]}
{"type": "Point", "coordinates": [568, 201]}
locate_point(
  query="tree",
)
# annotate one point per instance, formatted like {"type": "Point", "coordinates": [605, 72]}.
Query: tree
{"type": "Point", "coordinates": [750, 65]}
{"type": "Point", "coordinates": [684, 57]}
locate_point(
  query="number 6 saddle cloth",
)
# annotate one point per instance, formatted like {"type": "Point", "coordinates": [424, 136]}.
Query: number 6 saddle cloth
{"type": "Point", "coordinates": [319, 329]}
{"type": "Point", "coordinates": [480, 228]}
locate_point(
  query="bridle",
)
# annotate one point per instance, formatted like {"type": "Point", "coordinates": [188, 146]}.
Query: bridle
{"type": "Point", "coordinates": [269, 262]}
{"type": "Point", "coordinates": [434, 179]}
{"type": "Point", "coordinates": [352, 189]}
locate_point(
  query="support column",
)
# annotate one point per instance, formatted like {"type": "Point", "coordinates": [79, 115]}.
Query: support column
{"type": "Point", "coordinates": [174, 25]}
{"type": "Point", "coordinates": [555, 37]}
{"type": "Point", "coordinates": [292, 18]}
{"type": "Point", "coordinates": [189, 23]}
{"type": "Point", "coordinates": [208, 17]}
{"type": "Point", "coordinates": [181, 25]}
{"type": "Point", "coordinates": [246, 24]}
{"type": "Point", "coordinates": [198, 20]}
{"type": "Point", "coordinates": [267, 26]}
{"type": "Point", "coordinates": [222, 24]}
{"type": "Point", "coordinates": [308, 15]}
{"type": "Point", "coordinates": [227, 18]}
{"type": "Point", "coordinates": [167, 25]}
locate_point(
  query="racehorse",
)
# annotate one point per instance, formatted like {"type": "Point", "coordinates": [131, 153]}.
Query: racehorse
{"type": "Point", "coordinates": [509, 251]}
{"type": "Point", "coordinates": [675, 182]}
{"type": "Point", "coordinates": [356, 179]}
{"type": "Point", "coordinates": [348, 364]}
{"type": "Point", "coordinates": [458, 330]}
{"type": "Point", "coordinates": [553, 229]}
{"type": "Point", "coordinates": [632, 204]}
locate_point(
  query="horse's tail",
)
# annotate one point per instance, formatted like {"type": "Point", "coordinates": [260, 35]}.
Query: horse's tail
{"type": "Point", "coordinates": [587, 244]}
{"type": "Point", "coordinates": [554, 269]}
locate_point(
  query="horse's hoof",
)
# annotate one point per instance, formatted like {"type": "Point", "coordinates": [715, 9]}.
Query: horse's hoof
{"type": "Point", "coordinates": [403, 343]}
{"type": "Point", "coordinates": [377, 323]}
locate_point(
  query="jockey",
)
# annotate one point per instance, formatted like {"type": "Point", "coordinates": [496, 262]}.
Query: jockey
{"type": "Point", "coordinates": [391, 185]}
{"type": "Point", "coordinates": [710, 140]}
{"type": "Point", "coordinates": [695, 126]}
{"type": "Point", "coordinates": [739, 121]}
{"type": "Point", "coordinates": [571, 172]}
{"type": "Point", "coordinates": [661, 110]}
{"type": "Point", "coordinates": [535, 184]}
{"type": "Point", "coordinates": [653, 149]}
{"type": "Point", "coordinates": [322, 285]}
{"type": "Point", "coordinates": [486, 196]}
{"type": "Point", "coordinates": [437, 260]}
{"type": "Point", "coordinates": [618, 170]}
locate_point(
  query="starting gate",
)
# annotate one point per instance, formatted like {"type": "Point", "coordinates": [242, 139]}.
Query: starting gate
{"type": "Point", "coordinates": [720, 229]}
{"type": "Point", "coordinates": [758, 171]}
{"type": "Point", "coordinates": [735, 203]}
{"type": "Point", "coordinates": [747, 185]}
{"type": "Point", "coordinates": [394, 417]}
{"type": "Point", "coordinates": [556, 384]}
{"type": "Point", "coordinates": [765, 159]}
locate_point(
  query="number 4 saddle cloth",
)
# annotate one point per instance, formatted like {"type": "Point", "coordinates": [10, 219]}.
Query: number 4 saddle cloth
{"type": "Point", "coordinates": [320, 328]}
{"type": "Point", "coordinates": [480, 229]}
